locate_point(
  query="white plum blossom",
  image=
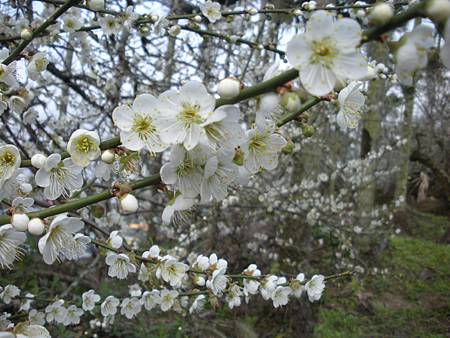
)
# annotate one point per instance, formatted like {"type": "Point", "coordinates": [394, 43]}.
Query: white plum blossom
{"type": "Point", "coordinates": [17, 103]}
{"type": "Point", "coordinates": [7, 72]}
{"type": "Point", "coordinates": [83, 147]}
{"type": "Point", "coordinates": [25, 303]}
{"type": "Point", "coordinates": [73, 315]}
{"type": "Point", "coordinates": [130, 307]}
{"type": "Point", "coordinates": [110, 25]}
{"type": "Point", "coordinates": [262, 148]}
{"type": "Point", "coordinates": [412, 53]}
{"type": "Point", "coordinates": [218, 282]}
{"type": "Point", "coordinates": [219, 173]}
{"type": "Point", "coordinates": [211, 10]}
{"type": "Point", "coordinates": [59, 177]}
{"type": "Point", "coordinates": [171, 271]}
{"type": "Point", "coordinates": [26, 330]}
{"type": "Point", "coordinates": [59, 241]}
{"type": "Point", "coordinates": [71, 23]}
{"type": "Point", "coordinates": [90, 298]}
{"type": "Point", "coordinates": [150, 299]}
{"type": "Point", "coordinates": [197, 304]}
{"type": "Point", "coordinates": [119, 265]}
{"type": "Point", "coordinates": [37, 65]}
{"type": "Point", "coordinates": [36, 317]}
{"type": "Point", "coordinates": [233, 296]}
{"type": "Point", "coordinates": [327, 53]}
{"type": "Point", "coordinates": [314, 287]}
{"type": "Point", "coordinates": [167, 299]}
{"type": "Point", "coordinates": [115, 240]}
{"type": "Point", "coordinates": [9, 292]}
{"type": "Point", "coordinates": [9, 162]}
{"type": "Point", "coordinates": [183, 171]}
{"type": "Point", "coordinates": [183, 114]}
{"type": "Point", "coordinates": [350, 102]}
{"type": "Point", "coordinates": [79, 247]}
{"type": "Point", "coordinates": [137, 124]}
{"type": "Point", "coordinates": [268, 286]}
{"type": "Point", "coordinates": [109, 306]}
{"type": "Point", "coordinates": [56, 312]}
{"type": "Point", "coordinates": [177, 204]}
{"type": "Point", "coordinates": [296, 285]}
{"type": "Point", "coordinates": [202, 263]}
{"type": "Point", "coordinates": [222, 128]}
{"type": "Point", "coordinates": [280, 296]}
{"type": "Point", "coordinates": [10, 241]}
{"type": "Point", "coordinates": [251, 285]}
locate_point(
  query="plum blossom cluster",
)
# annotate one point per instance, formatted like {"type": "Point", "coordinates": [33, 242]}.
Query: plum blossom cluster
{"type": "Point", "coordinates": [179, 287]}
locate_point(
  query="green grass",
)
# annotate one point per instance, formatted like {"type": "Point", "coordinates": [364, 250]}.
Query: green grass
{"type": "Point", "coordinates": [411, 300]}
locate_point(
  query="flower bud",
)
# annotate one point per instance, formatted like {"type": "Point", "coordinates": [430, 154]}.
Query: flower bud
{"type": "Point", "coordinates": [308, 130]}
{"type": "Point", "coordinates": [288, 148]}
{"type": "Point", "coordinates": [26, 34]}
{"type": "Point", "coordinates": [252, 11]}
{"type": "Point", "coordinates": [129, 203]}
{"type": "Point", "coordinates": [96, 5]}
{"type": "Point", "coordinates": [20, 221]}
{"type": "Point", "coordinates": [381, 13]}
{"type": "Point", "coordinates": [197, 18]}
{"type": "Point", "coordinates": [438, 10]}
{"type": "Point", "coordinates": [229, 88]}
{"type": "Point", "coordinates": [36, 226]}
{"type": "Point", "coordinates": [291, 102]}
{"type": "Point", "coordinates": [297, 12]}
{"type": "Point", "coordinates": [174, 30]}
{"type": "Point", "coordinates": [108, 156]}
{"type": "Point", "coordinates": [269, 102]}
{"type": "Point", "coordinates": [38, 160]}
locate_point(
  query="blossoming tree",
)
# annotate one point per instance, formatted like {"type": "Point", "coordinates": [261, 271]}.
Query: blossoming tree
{"type": "Point", "coordinates": [101, 120]}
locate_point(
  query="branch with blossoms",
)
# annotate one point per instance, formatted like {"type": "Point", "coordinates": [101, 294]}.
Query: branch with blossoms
{"type": "Point", "coordinates": [209, 150]}
{"type": "Point", "coordinates": [173, 284]}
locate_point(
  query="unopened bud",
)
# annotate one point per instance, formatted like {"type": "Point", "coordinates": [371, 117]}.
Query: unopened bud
{"type": "Point", "coordinates": [108, 156]}
{"type": "Point", "coordinates": [129, 203]}
{"type": "Point", "coordinates": [438, 10]}
{"type": "Point", "coordinates": [26, 34]}
{"type": "Point", "coordinates": [20, 221]}
{"type": "Point", "coordinates": [36, 226]}
{"type": "Point", "coordinates": [381, 14]}
{"type": "Point", "coordinates": [229, 88]}
{"type": "Point", "coordinates": [291, 102]}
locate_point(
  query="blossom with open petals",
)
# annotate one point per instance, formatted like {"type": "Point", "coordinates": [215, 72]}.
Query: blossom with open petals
{"type": "Point", "coordinates": [350, 101]}
{"type": "Point", "coordinates": [83, 147]}
{"type": "Point", "coordinates": [10, 240]}
{"type": "Point", "coordinates": [9, 162]}
{"type": "Point", "coordinates": [119, 265]}
{"type": "Point", "coordinates": [327, 52]}
{"type": "Point", "coordinates": [412, 54]}
{"type": "Point", "coordinates": [211, 10]}
{"type": "Point", "coordinates": [183, 113]}
{"type": "Point", "coordinates": [59, 177]}
{"type": "Point", "coordinates": [137, 124]}
{"type": "Point", "coordinates": [314, 287]}
{"type": "Point", "coordinates": [59, 241]}
{"type": "Point", "coordinates": [262, 148]}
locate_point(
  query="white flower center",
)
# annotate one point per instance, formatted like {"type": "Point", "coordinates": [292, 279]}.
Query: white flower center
{"type": "Point", "coordinates": [85, 144]}
{"type": "Point", "coordinates": [189, 115]}
{"type": "Point", "coordinates": [143, 126]}
{"type": "Point", "coordinates": [323, 52]}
